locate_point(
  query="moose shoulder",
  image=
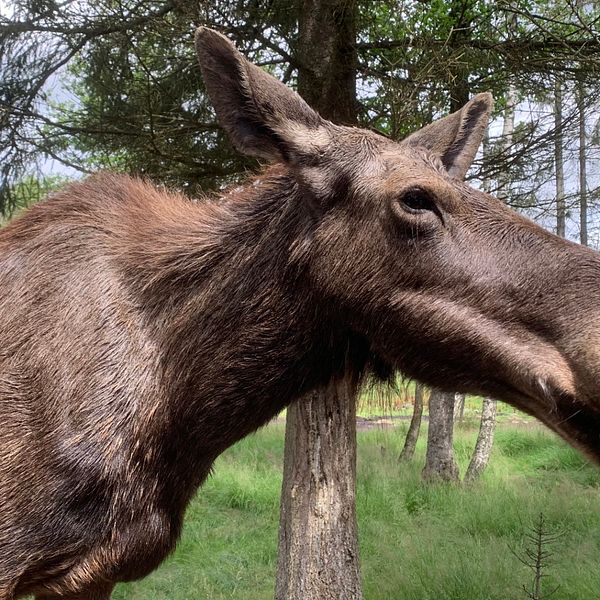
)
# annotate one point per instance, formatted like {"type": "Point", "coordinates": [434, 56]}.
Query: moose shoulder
{"type": "Point", "coordinates": [141, 333]}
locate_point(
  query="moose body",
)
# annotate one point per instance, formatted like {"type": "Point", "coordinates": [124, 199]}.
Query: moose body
{"type": "Point", "coordinates": [127, 367]}
{"type": "Point", "coordinates": [142, 333]}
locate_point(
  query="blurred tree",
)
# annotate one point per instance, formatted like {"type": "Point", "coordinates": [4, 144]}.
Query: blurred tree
{"type": "Point", "coordinates": [485, 440]}
{"type": "Point", "coordinates": [459, 406]}
{"type": "Point", "coordinates": [412, 435]}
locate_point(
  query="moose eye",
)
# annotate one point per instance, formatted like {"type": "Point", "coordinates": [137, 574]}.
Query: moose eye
{"type": "Point", "coordinates": [417, 200]}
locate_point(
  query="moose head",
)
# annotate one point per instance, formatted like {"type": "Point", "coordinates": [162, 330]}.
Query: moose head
{"type": "Point", "coordinates": [445, 282]}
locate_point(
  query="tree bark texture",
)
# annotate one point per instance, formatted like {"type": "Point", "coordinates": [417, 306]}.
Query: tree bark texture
{"type": "Point", "coordinates": [326, 53]}
{"type": "Point", "coordinates": [412, 435]}
{"type": "Point", "coordinates": [440, 464]}
{"type": "Point", "coordinates": [318, 546]}
{"type": "Point", "coordinates": [318, 554]}
{"type": "Point", "coordinates": [485, 440]}
{"type": "Point", "coordinates": [460, 14]}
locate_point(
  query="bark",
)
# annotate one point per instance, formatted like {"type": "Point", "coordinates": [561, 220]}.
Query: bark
{"type": "Point", "coordinates": [558, 160]}
{"type": "Point", "coordinates": [412, 435]}
{"type": "Point", "coordinates": [318, 554]}
{"type": "Point", "coordinates": [440, 464]}
{"type": "Point", "coordinates": [318, 547]}
{"type": "Point", "coordinates": [485, 440]}
{"type": "Point", "coordinates": [327, 55]}
{"type": "Point", "coordinates": [461, 15]}
{"type": "Point", "coordinates": [583, 203]}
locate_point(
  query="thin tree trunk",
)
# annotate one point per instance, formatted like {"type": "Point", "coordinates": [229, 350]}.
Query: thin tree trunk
{"type": "Point", "coordinates": [583, 205]}
{"type": "Point", "coordinates": [412, 435]}
{"type": "Point", "coordinates": [459, 407]}
{"type": "Point", "coordinates": [485, 440]}
{"type": "Point", "coordinates": [318, 554]}
{"type": "Point", "coordinates": [508, 129]}
{"type": "Point", "coordinates": [440, 464]}
{"type": "Point", "coordinates": [318, 546]}
{"type": "Point", "coordinates": [558, 160]}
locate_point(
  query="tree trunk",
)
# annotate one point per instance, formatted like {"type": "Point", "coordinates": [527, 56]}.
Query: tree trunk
{"type": "Point", "coordinates": [558, 160]}
{"type": "Point", "coordinates": [508, 129]}
{"type": "Point", "coordinates": [318, 555]}
{"type": "Point", "coordinates": [412, 435]}
{"type": "Point", "coordinates": [440, 464]}
{"type": "Point", "coordinates": [461, 15]}
{"type": "Point", "coordinates": [459, 407]}
{"type": "Point", "coordinates": [318, 547]}
{"type": "Point", "coordinates": [485, 440]}
{"type": "Point", "coordinates": [583, 208]}
{"type": "Point", "coordinates": [327, 57]}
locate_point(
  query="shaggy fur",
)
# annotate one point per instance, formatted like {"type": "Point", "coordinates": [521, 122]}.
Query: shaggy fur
{"type": "Point", "coordinates": [143, 333]}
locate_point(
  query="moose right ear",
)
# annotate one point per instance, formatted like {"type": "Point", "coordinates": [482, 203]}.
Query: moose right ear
{"type": "Point", "coordinates": [456, 138]}
{"type": "Point", "coordinates": [263, 117]}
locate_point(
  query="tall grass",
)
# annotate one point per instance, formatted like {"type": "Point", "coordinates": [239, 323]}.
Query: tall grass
{"type": "Point", "coordinates": [417, 541]}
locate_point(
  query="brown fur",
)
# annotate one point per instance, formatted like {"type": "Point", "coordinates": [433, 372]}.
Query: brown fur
{"type": "Point", "coordinates": [143, 333]}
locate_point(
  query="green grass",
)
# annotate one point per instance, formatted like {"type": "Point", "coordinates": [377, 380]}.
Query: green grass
{"type": "Point", "coordinates": [417, 541]}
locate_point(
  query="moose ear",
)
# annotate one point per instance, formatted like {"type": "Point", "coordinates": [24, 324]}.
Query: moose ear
{"type": "Point", "coordinates": [456, 138]}
{"type": "Point", "coordinates": [263, 117]}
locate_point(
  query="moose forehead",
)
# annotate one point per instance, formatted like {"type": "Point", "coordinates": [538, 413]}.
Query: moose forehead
{"type": "Point", "coordinates": [378, 167]}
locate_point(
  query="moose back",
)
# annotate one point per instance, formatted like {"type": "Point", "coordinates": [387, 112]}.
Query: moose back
{"type": "Point", "coordinates": [142, 333]}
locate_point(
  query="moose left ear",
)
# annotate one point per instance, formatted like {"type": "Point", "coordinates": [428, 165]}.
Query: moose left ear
{"type": "Point", "coordinates": [456, 138]}
{"type": "Point", "coordinates": [263, 117]}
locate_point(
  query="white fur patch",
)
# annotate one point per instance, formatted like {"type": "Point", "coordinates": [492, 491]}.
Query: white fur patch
{"type": "Point", "coordinates": [306, 139]}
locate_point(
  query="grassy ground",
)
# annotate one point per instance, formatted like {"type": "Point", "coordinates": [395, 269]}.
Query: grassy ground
{"type": "Point", "coordinates": [417, 541]}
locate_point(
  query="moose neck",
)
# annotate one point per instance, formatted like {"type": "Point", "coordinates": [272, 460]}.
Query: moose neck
{"type": "Point", "coordinates": [240, 334]}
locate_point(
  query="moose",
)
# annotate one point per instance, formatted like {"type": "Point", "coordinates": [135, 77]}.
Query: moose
{"type": "Point", "coordinates": [142, 333]}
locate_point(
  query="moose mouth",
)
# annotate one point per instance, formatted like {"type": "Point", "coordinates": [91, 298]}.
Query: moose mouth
{"type": "Point", "coordinates": [574, 419]}
{"type": "Point", "coordinates": [456, 347]}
